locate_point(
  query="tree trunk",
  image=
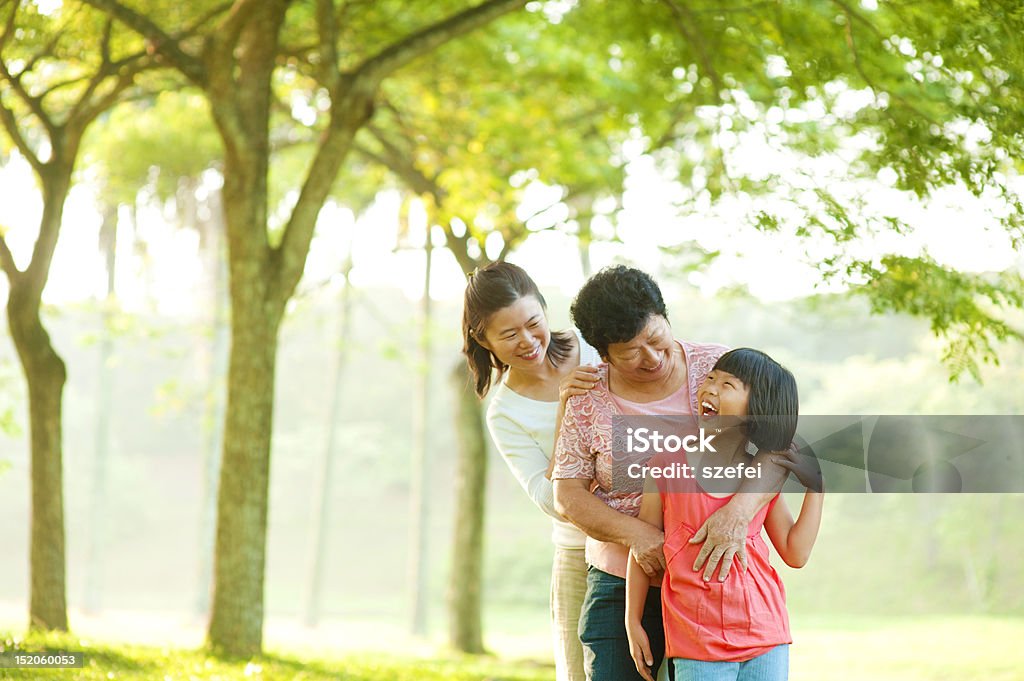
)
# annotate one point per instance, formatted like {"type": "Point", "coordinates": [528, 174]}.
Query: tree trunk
{"type": "Point", "coordinates": [419, 502]}
{"type": "Point", "coordinates": [236, 620]}
{"type": "Point", "coordinates": [93, 563]}
{"type": "Point", "coordinates": [325, 474]}
{"type": "Point", "coordinates": [45, 374]}
{"type": "Point", "coordinates": [464, 588]}
{"type": "Point", "coordinates": [240, 96]}
{"type": "Point", "coordinates": [236, 623]}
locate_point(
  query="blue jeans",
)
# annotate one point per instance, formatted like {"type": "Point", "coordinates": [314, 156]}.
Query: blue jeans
{"type": "Point", "coordinates": [603, 628]}
{"type": "Point", "coordinates": [770, 666]}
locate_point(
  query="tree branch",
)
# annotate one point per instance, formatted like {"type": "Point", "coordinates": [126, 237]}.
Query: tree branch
{"type": "Point", "coordinates": [430, 38]}
{"type": "Point", "coordinates": [86, 111]}
{"type": "Point", "coordinates": [729, 10]}
{"type": "Point", "coordinates": [61, 84]}
{"type": "Point", "coordinates": [348, 115]}
{"type": "Point", "coordinates": [7, 261]}
{"type": "Point", "coordinates": [459, 247]}
{"type": "Point", "coordinates": [10, 123]}
{"type": "Point", "coordinates": [684, 18]}
{"type": "Point", "coordinates": [108, 28]}
{"type": "Point", "coordinates": [158, 40]}
{"type": "Point", "coordinates": [102, 71]}
{"type": "Point", "coordinates": [230, 29]}
{"type": "Point", "coordinates": [855, 53]}
{"type": "Point", "coordinates": [351, 107]}
{"type": "Point", "coordinates": [400, 163]}
{"type": "Point", "coordinates": [44, 52]}
{"type": "Point", "coordinates": [55, 181]}
{"type": "Point", "coordinates": [9, 26]}
{"type": "Point", "coordinates": [204, 18]}
{"type": "Point", "coordinates": [328, 48]}
{"type": "Point", "coordinates": [853, 14]}
{"type": "Point", "coordinates": [34, 103]}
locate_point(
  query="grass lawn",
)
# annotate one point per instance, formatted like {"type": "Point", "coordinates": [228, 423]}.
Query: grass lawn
{"type": "Point", "coordinates": [960, 648]}
{"type": "Point", "coordinates": [933, 648]}
{"type": "Point", "coordinates": [110, 661]}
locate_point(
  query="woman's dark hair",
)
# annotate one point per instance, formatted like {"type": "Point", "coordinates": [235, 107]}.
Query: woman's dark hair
{"type": "Point", "coordinates": [490, 289]}
{"type": "Point", "coordinates": [773, 405]}
{"type": "Point", "coordinates": [614, 306]}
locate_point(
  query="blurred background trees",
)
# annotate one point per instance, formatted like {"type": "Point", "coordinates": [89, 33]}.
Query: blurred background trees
{"type": "Point", "coordinates": [275, 134]}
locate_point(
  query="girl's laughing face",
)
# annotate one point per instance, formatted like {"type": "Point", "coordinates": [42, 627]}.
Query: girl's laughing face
{"type": "Point", "coordinates": [722, 394]}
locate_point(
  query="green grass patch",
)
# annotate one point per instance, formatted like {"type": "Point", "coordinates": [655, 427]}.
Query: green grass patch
{"type": "Point", "coordinates": [932, 648]}
{"type": "Point", "coordinates": [936, 648]}
{"type": "Point", "coordinates": [111, 661]}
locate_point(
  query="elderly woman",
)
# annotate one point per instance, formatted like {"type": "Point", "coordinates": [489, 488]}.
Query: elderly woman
{"type": "Point", "coordinates": [645, 371]}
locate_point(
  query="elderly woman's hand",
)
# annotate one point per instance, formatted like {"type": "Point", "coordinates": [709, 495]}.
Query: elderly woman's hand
{"type": "Point", "coordinates": [578, 381]}
{"type": "Point", "coordinates": [647, 549]}
{"type": "Point", "coordinates": [724, 534]}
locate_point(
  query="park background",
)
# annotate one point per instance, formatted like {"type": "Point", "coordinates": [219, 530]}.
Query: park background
{"type": "Point", "coordinates": [774, 205]}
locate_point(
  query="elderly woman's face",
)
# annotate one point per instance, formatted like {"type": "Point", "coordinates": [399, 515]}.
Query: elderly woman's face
{"type": "Point", "coordinates": [648, 355]}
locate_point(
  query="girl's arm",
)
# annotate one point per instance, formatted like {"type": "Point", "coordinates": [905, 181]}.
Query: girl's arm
{"type": "Point", "coordinates": [794, 540]}
{"type": "Point", "coordinates": [637, 585]}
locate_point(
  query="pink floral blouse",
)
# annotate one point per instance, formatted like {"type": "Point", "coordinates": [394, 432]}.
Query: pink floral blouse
{"type": "Point", "coordinates": [584, 448]}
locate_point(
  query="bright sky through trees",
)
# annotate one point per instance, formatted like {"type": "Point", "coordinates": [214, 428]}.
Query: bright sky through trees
{"type": "Point", "coordinates": [955, 227]}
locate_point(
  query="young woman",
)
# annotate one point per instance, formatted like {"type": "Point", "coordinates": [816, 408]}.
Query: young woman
{"type": "Point", "coordinates": [735, 629]}
{"type": "Point", "coordinates": [507, 340]}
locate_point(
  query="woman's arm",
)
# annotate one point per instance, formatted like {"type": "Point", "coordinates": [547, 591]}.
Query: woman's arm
{"type": "Point", "coordinates": [525, 458]}
{"type": "Point", "coordinates": [575, 470]}
{"type": "Point", "coordinates": [559, 417]}
{"type": "Point", "coordinates": [638, 583]}
{"type": "Point", "coordinates": [794, 540]}
{"type": "Point", "coordinates": [575, 501]}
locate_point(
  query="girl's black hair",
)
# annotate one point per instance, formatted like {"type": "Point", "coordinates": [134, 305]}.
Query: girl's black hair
{"type": "Point", "coordinates": [774, 404]}
{"type": "Point", "coordinates": [614, 306]}
{"type": "Point", "coordinates": [490, 289]}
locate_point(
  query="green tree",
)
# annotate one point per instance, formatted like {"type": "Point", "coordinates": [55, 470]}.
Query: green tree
{"type": "Point", "coordinates": [350, 49]}
{"type": "Point", "coordinates": [60, 72]}
{"type": "Point", "coordinates": [928, 94]}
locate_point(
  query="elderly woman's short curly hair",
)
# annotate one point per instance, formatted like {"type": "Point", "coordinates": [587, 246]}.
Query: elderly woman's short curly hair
{"type": "Point", "coordinates": [614, 306]}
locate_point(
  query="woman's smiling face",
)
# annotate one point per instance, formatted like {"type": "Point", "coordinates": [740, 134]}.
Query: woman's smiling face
{"type": "Point", "coordinates": [518, 334]}
{"type": "Point", "coordinates": [648, 355]}
{"type": "Point", "coordinates": [722, 394]}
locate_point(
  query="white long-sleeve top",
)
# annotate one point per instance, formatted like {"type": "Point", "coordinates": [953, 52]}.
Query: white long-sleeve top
{"type": "Point", "coordinates": [523, 430]}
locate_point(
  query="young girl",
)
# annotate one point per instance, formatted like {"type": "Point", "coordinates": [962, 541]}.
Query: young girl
{"type": "Point", "coordinates": [737, 629]}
